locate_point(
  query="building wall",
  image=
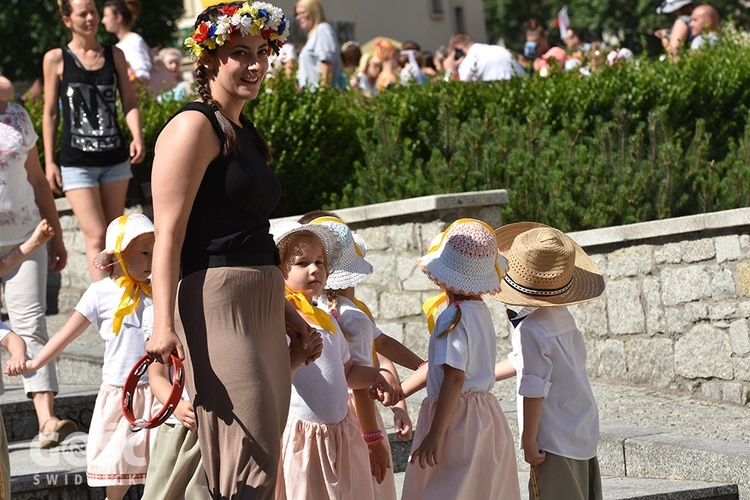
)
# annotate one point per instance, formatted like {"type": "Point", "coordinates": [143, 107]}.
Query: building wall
{"type": "Point", "coordinates": [411, 20]}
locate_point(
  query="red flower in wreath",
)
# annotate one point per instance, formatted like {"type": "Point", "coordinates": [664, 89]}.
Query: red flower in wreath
{"type": "Point", "coordinates": [228, 11]}
{"type": "Point", "coordinates": [201, 34]}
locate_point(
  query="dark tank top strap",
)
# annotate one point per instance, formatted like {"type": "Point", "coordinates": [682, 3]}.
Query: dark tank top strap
{"type": "Point", "coordinates": [207, 112]}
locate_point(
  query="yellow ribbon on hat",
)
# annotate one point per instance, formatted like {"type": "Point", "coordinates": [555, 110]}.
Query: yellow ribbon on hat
{"type": "Point", "coordinates": [315, 314]}
{"type": "Point", "coordinates": [431, 305]}
{"type": "Point", "coordinates": [362, 307]}
{"type": "Point", "coordinates": [320, 220]}
{"type": "Point", "coordinates": [131, 296]}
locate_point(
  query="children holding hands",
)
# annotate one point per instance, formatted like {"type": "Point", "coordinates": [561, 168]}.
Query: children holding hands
{"type": "Point", "coordinates": [323, 455]}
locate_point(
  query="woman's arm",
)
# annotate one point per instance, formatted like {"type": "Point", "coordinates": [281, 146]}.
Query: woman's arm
{"type": "Point", "coordinates": [71, 330]}
{"type": "Point", "coordinates": [397, 352]}
{"type": "Point", "coordinates": [129, 107]}
{"type": "Point", "coordinates": [52, 69]}
{"type": "Point", "coordinates": [450, 391]}
{"type": "Point", "coordinates": [58, 256]}
{"type": "Point", "coordinates": [677, 37]}
{"type": "Point", "coordinates": [326, 73]}
{"type": "Point", "coordinates": [183, 151]}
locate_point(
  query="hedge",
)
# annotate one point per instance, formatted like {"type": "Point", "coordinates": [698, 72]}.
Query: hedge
{"type": "Point", "coordinates": [642, 141]}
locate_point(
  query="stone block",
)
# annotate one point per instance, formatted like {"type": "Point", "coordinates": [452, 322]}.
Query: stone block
{"type": "Point", "coordinates": [727, 248]}
{"type": "Point", "coordinates": [384, 268]}
{"type": "Point", "coordinates": [631, 261]}
{"type": "Point", "coordinates": [624, 308]}
{"type": "Point", "coordinates": [722, 311]}
{"type": "Point", "coordinates": [402, 238]}
{"type": "Point", "coordinates": [671, 253]}
{"type": "Point", "coordinates": [650, 361]}
{"type": "Point", "coordinates": [734, 392]}
{"type": "Point", "coordinates": [416, 337]}
{"type": "Point", "coordinates": [428, 231]}
{"type": "Point", "coordinates": [591, 317]}
{"type": "Point", "coordinates": [686, 284]}
{"type": "Point", "coordinates": [743, 309]}
{"type": "Point", "coordinates": [722, 283]}
{"type": "Point", "coordinates": [399, 305]}
{"type": "Point", "coordinates": [694, 312]}
{"type": "Point", "coordinates": [503, 327]}
{"type": "Point", "coordinates": [601, 262]}
{"type": "Point", "coordinates": [744, 245]}
{"type": "Point", "coordinates": [743, 279]}
{"type": "Point", "coordinates": [612, 363]}
{"type": "Point", "coordinates": [394, 330]}
{"type": "Point", "coordinates": [712, 389]}
{"type": "Point", "coordinates": [673, 318]}
{"type": "Point", "coordinates": [741, 368]}
{"type": "Point", "coordinates": [375, 237]}
{"type": "Point", "coordinates": [417, 281]}
{"type": "Point", "coordinates": [704, 352]}
{"type": "Point", "coordinates": [369, 295]}
{"type": "Point", "coordinates": [653, 308]}
{"type": "Point", "coordinates": [697, 251]}
{"type": "Point", "coordinates": [739, 336]}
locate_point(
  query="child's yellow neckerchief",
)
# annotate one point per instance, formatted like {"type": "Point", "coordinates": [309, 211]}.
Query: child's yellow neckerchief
{"type": "Point", "coordinates": [431, 305]}
{"type": "Point", "coordinates": [132, 293]}
{"type": "Point", "coordinates": [315, 314]}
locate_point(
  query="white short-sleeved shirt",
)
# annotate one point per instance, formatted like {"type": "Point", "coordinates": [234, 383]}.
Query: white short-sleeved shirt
{"type": "Point", "coordinates": [321, 46]}
{"type": "Point", "coordinates": [19, 214]}
{"type": "Point", "coordinates": [487, 63]}
{"type": "Point", "coordinates": [122, 351]}
{"type": "Point", "coordinates": [470, 347]}
{"type": "Point", "coordinates": [549, 356]}
{"type": "Point", "coordinates": [360, 331]}
{"type": "Point", "coordinates": [700, 41]}
{"type": "Point", "coordinates": [137, 54]}
{"type": "Point", "coordinates": [319, 390]}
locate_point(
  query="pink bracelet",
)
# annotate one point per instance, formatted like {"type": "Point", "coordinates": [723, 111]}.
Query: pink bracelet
{"type": "Point", "coordinates": [375, 441]}
{"type": "Point", "coordinates": [372, 435]}
{"type": "Point", "coordinates": [422, 364]}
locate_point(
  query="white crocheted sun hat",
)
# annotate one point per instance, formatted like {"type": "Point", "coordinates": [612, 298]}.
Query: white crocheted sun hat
{"type": "Point", "coordinates": [545, 267]}
{"type": "Point", "coordinates": [352, 267]}
{"type": "Point", "coordinates": [327, 237]}
{"type": "Point", "coordinates": [464, 259]}
{"type": "Point", "coordinates": [129, 226]}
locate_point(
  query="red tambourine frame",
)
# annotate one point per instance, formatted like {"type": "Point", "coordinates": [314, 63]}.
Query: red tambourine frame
{"type": "Point", "coordinates": [178, 383]}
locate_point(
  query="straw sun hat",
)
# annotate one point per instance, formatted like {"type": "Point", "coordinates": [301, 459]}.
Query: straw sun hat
{"type": "Point", "coordinates": [352, 268]}
{"type": "Point", "coordinates": [464, 259]}
{"type": "Point", "coordinates": [129, 227]}
{"type": "Point", "coordinates": [327, 237]}
{"type": "Point", "coordinates": [545, 267]}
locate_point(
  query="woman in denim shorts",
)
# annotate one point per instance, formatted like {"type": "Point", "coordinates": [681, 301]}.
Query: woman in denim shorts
{"type": "Point", "coordinates": [82, 79]}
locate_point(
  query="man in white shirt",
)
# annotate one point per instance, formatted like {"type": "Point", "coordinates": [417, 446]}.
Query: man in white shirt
{"type": "Point", "coordinates": [704, 26]}
{"type": "Point", "coordinates": [480, 62]}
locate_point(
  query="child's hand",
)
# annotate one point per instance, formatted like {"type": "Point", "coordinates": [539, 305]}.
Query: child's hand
{"type": "Point", "coordinates": [532, 454]}
{"type": "Point", "coordinates": [185, 414]}
{"type": "Point", "coordinates": [380, 461]}
{"type": "Point", "coordinates": [402, 423]}
{"type": "Point", "coordinates": [387, 389]}
{"type": "Point", "coordinates": [299, 355]}
{"type": "Point", "coordinates": [42, 234]}
{"type": "Point", "coordinates": [30, 366]}
{"type": "Point", "coordinates": [16, 365]}
{"type": "Point", "coordinates": [428, 451]}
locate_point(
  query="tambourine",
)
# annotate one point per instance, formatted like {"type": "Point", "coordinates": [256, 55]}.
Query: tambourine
{"type": "Point", "coordinates": [178, 383]}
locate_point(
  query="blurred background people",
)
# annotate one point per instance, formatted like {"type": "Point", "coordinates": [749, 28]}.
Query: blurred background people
{"type": "Point", "coordinates": [704, 26]}
{"type": "Point", "coordinates": [320, 58]}
{"type": "Point", "coordinates": [118, 18]}
{"type": "Point", "coordinates": [679, 36]}
{"type": "Point", "coordinates": [471, 61]}
{"type": "Point", "coordinates": [366, 78]}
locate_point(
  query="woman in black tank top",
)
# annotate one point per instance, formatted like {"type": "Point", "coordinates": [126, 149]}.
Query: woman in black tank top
{"type": "Point", "coordinates": [85, 77]}
{"type": "Point", "coordinates": [212, 192]}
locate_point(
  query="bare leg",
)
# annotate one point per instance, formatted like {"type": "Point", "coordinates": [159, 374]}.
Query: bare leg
{"type": "Point", "coordinates": [117, 492]}
{"type": "Point", "coordinates": [113, 199]}
{"type": "Point", "coordinates": [43, 404]}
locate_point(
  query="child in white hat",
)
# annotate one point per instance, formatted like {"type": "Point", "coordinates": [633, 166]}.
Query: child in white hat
{"type": "Point", "coordinates": [463, 447]}
{"type": "Point", "coordinates": [366, 342]}
{"type": "Point", "coordinates": [116, 457]}
{"type": "Point", "coordinates": [322, 455]}
{"type": "Point", "coordinates": [558, 418]}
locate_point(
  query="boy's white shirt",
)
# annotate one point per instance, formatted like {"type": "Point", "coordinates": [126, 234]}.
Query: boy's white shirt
{"type": "Point", "coordinates": [549, 355]}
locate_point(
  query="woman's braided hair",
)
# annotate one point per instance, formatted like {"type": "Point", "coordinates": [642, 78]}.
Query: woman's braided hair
{"type": "Point", "coordinates": [230, 144]}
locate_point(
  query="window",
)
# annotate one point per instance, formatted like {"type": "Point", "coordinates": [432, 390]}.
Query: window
{"type": "Point", "coordinates": [460, 21]}
{"type": "Point", "coordinates": [437, 7]}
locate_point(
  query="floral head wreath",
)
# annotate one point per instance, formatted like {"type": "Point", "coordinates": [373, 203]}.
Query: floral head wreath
{"type": "Point", "coordinates": [255, 19]}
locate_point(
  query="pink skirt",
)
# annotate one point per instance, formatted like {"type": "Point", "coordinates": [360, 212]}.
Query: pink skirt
{"type": "Point", "coordinates": [478, 458]}
{"type": "Point", "coordinates": [328, 461]}
{"type": "Point", "coordinates": [115, 455]}
{"type": "Point", "coordinates": [387, 489]}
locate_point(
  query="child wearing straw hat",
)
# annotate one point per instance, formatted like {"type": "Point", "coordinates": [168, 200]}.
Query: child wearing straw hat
{"type": "Point", "coordinates": [557, 415]}
{"type": "Point", "coordinates": [362, 336]}
{"type": "Point", "coordinates": [322, 454]}
{"type": "Point", "coordinates": [463, 447]}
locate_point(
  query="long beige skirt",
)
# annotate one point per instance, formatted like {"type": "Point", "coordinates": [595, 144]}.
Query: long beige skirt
{"type": "Point", "coordinates": [387, 489]}
{"type": "Point", "coordinates": [231, 320]}
{"type": "Point", "coordinates": [324, 461]}
{"type": "Point", "coordinates": [478, 458]}
{"type": "Point", "coordinates": [115, 455]}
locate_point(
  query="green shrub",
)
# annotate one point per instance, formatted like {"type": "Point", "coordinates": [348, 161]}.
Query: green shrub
{"type": "Point", "coordinates": [646, 140]}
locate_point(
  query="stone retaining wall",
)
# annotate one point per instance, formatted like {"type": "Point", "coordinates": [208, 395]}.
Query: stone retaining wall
{"type": "Point", "coordinates": [675, 313]}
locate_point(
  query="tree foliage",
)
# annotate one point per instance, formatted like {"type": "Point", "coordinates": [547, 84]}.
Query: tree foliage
{"type": "Point", "coordinates": [631, 22]}
{"type": "Point", "coordinates": [32, 27]}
